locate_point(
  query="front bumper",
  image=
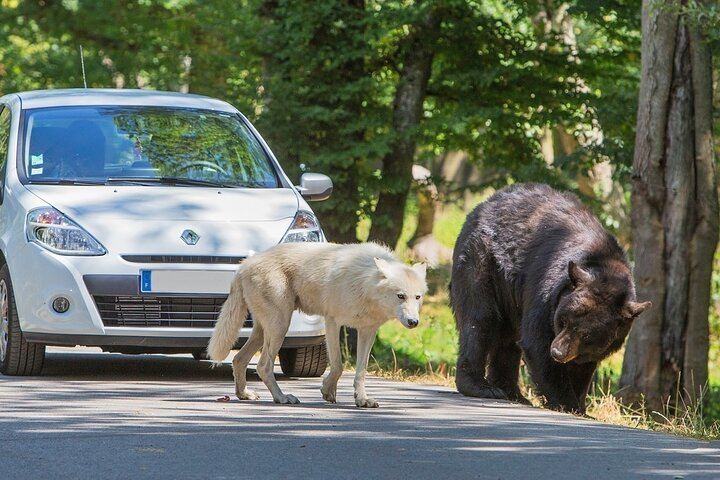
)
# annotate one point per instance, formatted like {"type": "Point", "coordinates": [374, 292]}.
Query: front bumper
{"type": "Point", "coordinates": [149, 344]}
{"type": "Point", "coordinates": [108, 307]}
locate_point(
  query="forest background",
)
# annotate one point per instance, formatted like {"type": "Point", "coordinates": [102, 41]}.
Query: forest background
{"type": "Point", "coordinates": [479, 93]}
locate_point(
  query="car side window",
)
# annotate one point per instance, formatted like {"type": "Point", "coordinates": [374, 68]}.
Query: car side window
{"type": "Point", "coordinates": [4, 147]}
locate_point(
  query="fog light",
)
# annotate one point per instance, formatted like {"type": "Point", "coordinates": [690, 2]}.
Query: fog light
{"type": "Point", "coordinates": [61, 304]}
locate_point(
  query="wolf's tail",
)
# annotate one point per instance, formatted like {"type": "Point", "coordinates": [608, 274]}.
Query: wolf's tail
{"type": "Point", "coordinates": [232, 316]}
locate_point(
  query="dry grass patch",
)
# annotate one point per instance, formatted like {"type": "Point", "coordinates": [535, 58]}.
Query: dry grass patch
{"type": "Point", "coordinates": [686, 421]}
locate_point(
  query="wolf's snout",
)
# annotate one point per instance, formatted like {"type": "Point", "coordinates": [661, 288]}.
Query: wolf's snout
{"type": "Point", "coordinates": [412, 323]}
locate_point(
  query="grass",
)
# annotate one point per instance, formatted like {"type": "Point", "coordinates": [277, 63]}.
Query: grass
{"type": "Point", "coordinates": [688, 420]}
{"type": "Point", "coordinates": [428, 354]}
{"type": "Point", "coordinates": [432, 346]}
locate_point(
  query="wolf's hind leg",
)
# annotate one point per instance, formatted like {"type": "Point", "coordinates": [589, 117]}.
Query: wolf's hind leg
{"type": "Point", "coordinates": [242, 359]}
{"type": "Point", "coordinates": [332, 339]}
{"type": "Point", "coordinates": [366, 338]}
{"type": "Point", "coordinates": [272, 342]}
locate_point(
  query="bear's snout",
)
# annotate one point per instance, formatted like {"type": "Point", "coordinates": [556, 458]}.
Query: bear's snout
{"type": "Point", "coordinates": [563, 349]}
{"type": "Point", "coordinates": [557, 354]}
{"type": "Point", "coordinates": [412, 322]}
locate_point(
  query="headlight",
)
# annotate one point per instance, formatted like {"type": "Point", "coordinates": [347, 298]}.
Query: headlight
{"type": "Point", "coordinates": [54, 231]}
{"type": "Point", "coordinates": [305, 228]}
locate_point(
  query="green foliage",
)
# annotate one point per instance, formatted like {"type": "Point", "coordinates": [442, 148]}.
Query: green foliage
{"type": "Point", "coordinates": [714, 321]}
{"type": "Point", "coordinates": [432, 345]}
{"type": "Point", "coordinates": [510, 79]}
{"type": "Point", "coordinates": [319, 78]}
{"type": "Point", "coordinates": [318, 99]}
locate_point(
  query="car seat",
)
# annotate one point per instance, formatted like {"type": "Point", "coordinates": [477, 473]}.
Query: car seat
{"type": "Point", "coordinates": [86, 147]}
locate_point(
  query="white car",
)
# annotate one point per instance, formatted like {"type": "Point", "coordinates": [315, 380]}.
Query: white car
{"type": "Point", "coordinates": [124, 215]}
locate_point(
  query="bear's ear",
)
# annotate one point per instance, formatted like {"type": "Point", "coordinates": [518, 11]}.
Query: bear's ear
{"type": "Point", "coordinates": [577, 274]}
{"type": "Point", "coordinates": [632, 309]}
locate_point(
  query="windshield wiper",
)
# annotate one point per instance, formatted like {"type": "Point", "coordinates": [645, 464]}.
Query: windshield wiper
{"type": "Point", "coordinates": [67, 181]}
{"type": "Point", "coordinates": [167, 181]}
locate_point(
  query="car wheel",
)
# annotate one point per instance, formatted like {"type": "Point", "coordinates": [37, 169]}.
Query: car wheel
{"type": "Point", "coordinates": [17, 357]}
{"type": "Point", "coordinates": [304, 361]}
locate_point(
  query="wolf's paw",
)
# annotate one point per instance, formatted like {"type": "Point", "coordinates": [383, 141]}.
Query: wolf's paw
{"type": "Point", "coordinates": [329, 395]}
{"type": "Point", "coordinates": [248, 395]}
{"type": "Point", "coordinates": [366, 402]}
{"type": "Point", "coordinates": [287, 399]}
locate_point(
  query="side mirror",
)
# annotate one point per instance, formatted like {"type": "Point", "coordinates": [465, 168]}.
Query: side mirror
{"type": "Point", "coordinates": [315, 187]}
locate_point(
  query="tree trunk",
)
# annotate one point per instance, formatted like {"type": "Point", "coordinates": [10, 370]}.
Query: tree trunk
{"type": "Point", "coordinates": [703, 241]}
{"type": "Point", "coordinates": [387, 219]}
{"type": "Point", "coordinates": [674, 212]}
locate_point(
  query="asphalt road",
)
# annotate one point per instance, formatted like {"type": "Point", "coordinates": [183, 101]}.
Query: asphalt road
{"type": "Point", "coordinates": [94, 415]}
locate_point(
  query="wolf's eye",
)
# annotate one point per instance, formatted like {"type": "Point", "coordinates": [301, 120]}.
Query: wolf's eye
{"type": "Point", "coordinates": [401, 296]}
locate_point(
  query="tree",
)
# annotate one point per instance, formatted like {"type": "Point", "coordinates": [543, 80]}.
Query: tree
{"type": "Point", "coordinates": [674, 209]}
{"type": "Point", "coordinates": [359, 89]}
{"type": "Point", "coordinates": [316, 93]}
{"type": "Point", "coordinates": [416, 57]}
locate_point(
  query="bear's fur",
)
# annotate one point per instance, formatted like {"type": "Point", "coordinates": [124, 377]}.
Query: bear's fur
{"type": "Point", "coordinates": [536, 276]}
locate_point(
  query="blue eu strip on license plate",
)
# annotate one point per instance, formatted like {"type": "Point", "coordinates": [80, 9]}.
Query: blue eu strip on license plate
{"type": "Point", "coordinates": [145, 281]}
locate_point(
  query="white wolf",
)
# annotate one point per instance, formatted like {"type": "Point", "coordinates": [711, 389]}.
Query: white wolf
{"type": "Point", "coordinates": [357, 285]}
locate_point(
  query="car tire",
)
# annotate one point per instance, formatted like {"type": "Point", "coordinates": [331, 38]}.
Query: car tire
{"type": "Point", "coordinates": [17, 357]}
{"type": "Point", "coordinates": [304, 361]}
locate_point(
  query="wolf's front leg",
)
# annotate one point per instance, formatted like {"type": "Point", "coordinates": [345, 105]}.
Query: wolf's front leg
{"type": "Point", "coordinates": [332, 340]}
{"type": "Point", "coordinates": [366, 338]}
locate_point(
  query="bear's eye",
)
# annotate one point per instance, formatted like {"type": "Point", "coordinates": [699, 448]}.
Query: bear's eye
{"type": "Point", "coordinates": [418, 297]}
{"type": "Point", "coordinates": [401, 296]}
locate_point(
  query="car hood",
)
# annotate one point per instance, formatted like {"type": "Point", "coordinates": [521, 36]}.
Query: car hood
{"type": "Point", "coordinates": [136, 219]}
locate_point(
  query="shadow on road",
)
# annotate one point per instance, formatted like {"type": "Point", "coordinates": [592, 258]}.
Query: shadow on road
{"type": "Point", "coordinates": [140, 412]}
{"type": "Point", "coordinates": [114, 366]}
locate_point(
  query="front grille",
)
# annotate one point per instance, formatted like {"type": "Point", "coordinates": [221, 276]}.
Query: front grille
{"type": "Point", "coordinates": [150, 311]}
{"type": "Point", "coordinates": [211, 259]}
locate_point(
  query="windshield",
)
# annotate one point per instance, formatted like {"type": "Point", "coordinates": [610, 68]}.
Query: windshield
{"type": "Point", "coordinates": [143, 145]}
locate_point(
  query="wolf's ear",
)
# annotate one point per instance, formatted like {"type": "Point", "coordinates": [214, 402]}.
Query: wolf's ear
{"type": "Point", "coordinates": [420, 268]}
{"type": "Point", "coordinates": [383, 266]}
{"type": "Point", "coordinates": [632, 309]}
{"type": "Point", "coordinates": [577, 274]}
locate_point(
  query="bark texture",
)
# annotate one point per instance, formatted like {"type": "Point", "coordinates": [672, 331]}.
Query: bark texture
{"type": "Point", "coordinates": [674, 212]}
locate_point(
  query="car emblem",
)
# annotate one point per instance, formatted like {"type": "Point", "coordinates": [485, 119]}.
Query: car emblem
{"type": "Point", "coordinates": [190, 237]}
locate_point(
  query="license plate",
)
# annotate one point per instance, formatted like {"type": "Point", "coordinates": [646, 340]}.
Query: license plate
{"type": "Point", "coordinates": [185, 281]}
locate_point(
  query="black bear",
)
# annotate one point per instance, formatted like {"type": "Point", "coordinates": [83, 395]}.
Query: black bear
{"type": "Point", "coordinates": [536, 276]}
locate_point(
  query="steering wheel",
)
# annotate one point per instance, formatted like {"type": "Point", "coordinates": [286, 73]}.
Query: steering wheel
{"type": "Point", "coordinates": [202, 164]}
